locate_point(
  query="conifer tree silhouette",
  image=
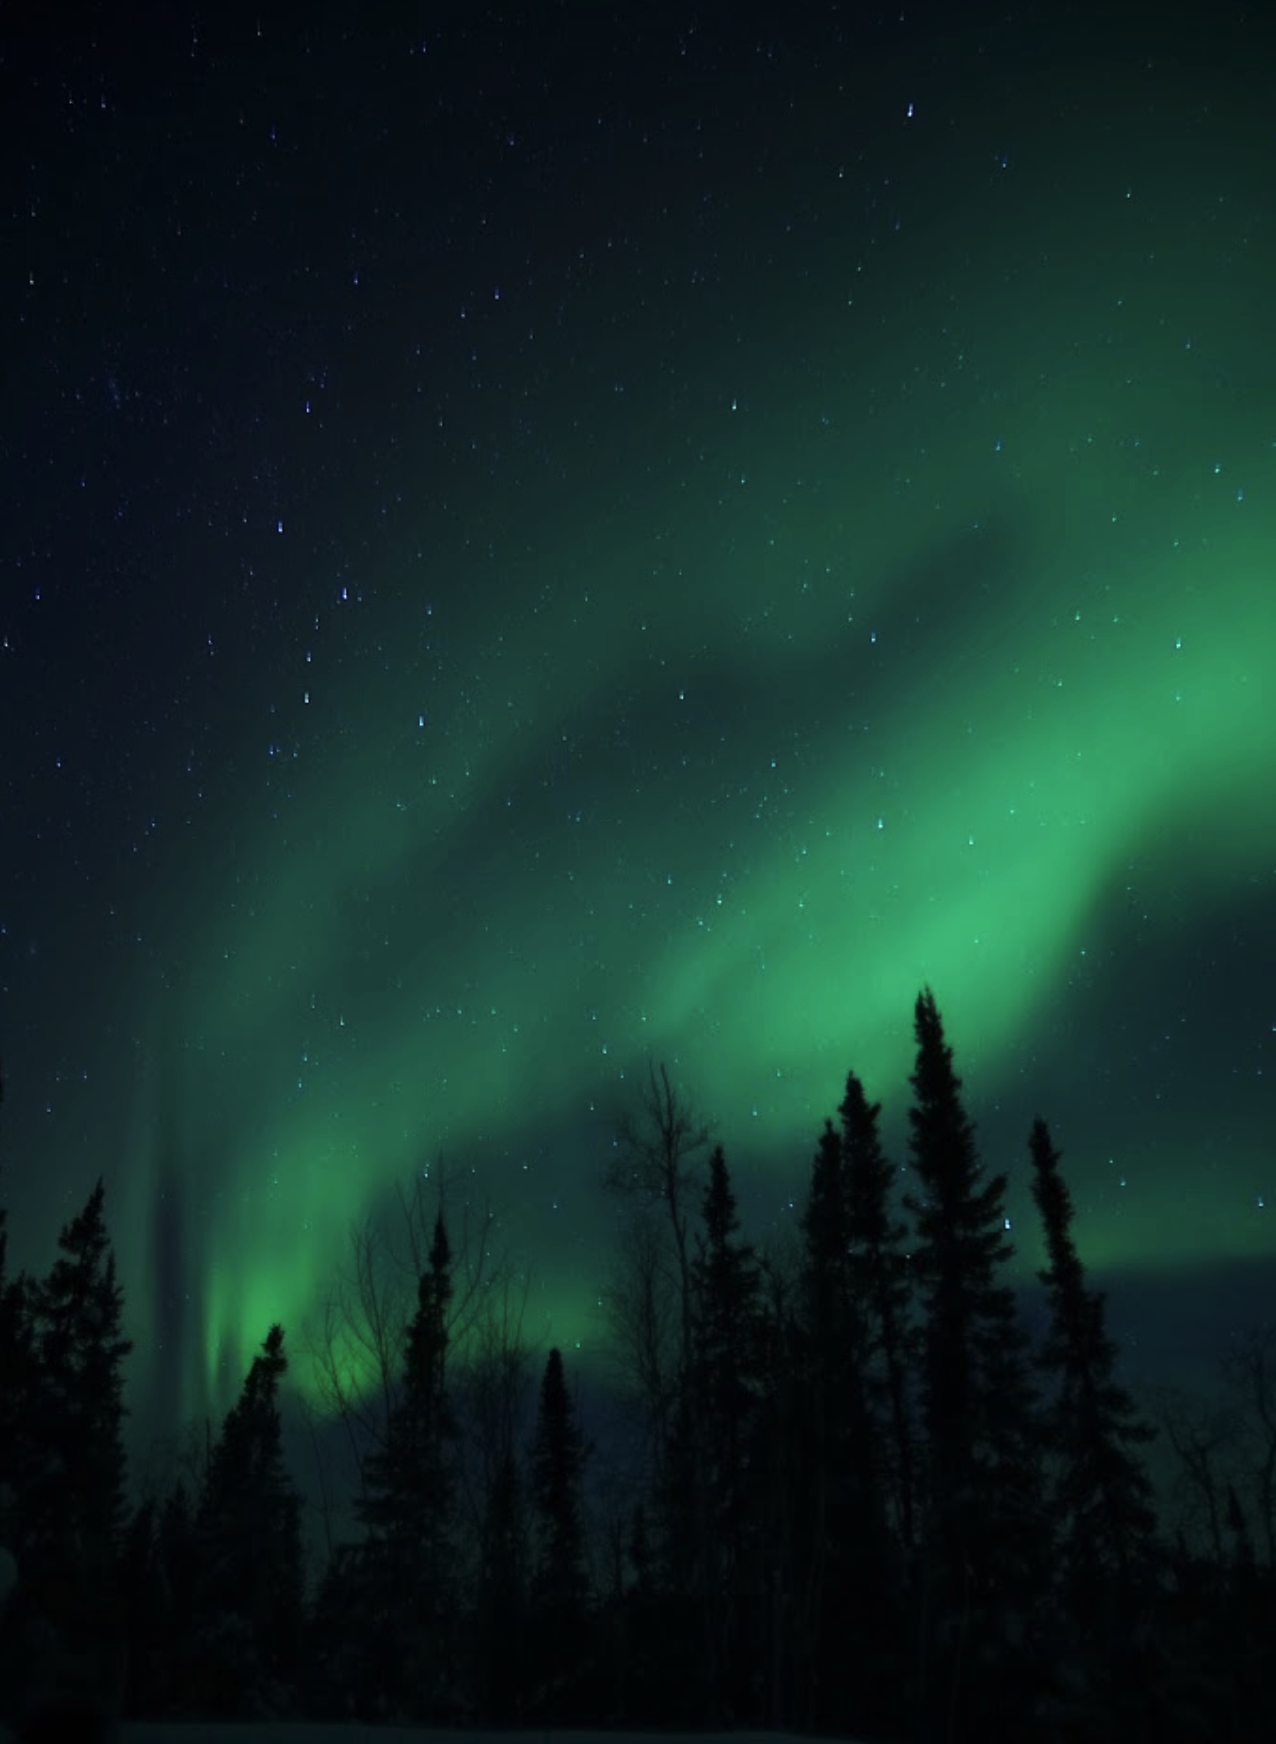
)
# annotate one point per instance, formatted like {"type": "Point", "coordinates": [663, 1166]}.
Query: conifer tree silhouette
{"type": "Point", "coordinates": [248, 1528]}
{"type": "Point", "coordinates": [727, 1381]}
{"type": "Point", "coordinates": [986, 1532]}
{"type": "Point", "coordinates": [408, 1509]}
{"type": "Point", "coordinates": [73, 1502]}
{"type": "Point", "coordinates": [1101, 1495]}
{"type": "Point", "coordinates": [559, 1580]}
{"type": "Point", "coordinates": [843, 1576]}
{"type": "Point", "coordinates": [877, 1238]}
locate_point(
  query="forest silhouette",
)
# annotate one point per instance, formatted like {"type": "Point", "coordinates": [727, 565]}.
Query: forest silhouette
{"type": "Point", "coordinates": [854, 1494]}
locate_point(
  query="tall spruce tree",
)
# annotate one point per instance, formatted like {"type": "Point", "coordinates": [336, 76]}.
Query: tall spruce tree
{"type": "Point", "coordinates": [840, 1587]}
{"type": "Point", "coordinates": [986, 1536]}
{"type": "Point", "coordinates": [830, 1406]}
{"type": "Point", "coordinates": [408, 1509]}
{"type": "Point", "coordinates": [249, 1609]}
{"type": "Point", "coordinates": [559, 1585]}
{"type": "Point", "coordinates": [1103, 1496]}
{"type": "Point", "coordinates": [73, 1496]}
{"type": "Point", "coordinates": [876, 1237]}
{"type": "Point", "coordinates": [727, 1382]}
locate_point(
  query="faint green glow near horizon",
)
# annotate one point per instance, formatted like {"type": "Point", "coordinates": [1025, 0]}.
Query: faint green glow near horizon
{"type": "Point", "coordinates": [893, 782]}
{"type": "Point", "coordinates": [973, 856]}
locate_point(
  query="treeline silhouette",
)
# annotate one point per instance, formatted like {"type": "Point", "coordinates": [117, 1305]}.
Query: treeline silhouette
{"type": "Point", "coordinates": [853, 1496]}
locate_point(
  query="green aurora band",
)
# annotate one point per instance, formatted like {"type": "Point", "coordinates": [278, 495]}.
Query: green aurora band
{"type": "Point", "coordinates": [917, 629]}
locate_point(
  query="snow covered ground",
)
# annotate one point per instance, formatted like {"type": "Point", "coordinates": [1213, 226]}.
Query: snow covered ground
{"type": "Point", "coordinates": [232, 1733]}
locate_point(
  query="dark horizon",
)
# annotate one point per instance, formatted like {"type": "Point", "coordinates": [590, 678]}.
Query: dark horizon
{"type": "Point", "coordinates": [1174, 1328]}
{"type": "Point", "coordinates": [822, 1468]}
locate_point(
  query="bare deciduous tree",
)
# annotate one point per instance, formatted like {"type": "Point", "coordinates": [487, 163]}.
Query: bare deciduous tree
{"type": "Point", "coordinates": [356, 1347]}
{"type": "Point", "coordinates": [1203, 1439]}
{"type": "Point", "coordinates": [638, 1299]}
{"type": "Point", "coordinates": [656, 1145]}
{"type": "Point", "coordinates": [1226, 1450]}
{"type": "Point", "coordinates": [1249, 1375]}
{"type": "Point", "coordinates": [493, 1388]}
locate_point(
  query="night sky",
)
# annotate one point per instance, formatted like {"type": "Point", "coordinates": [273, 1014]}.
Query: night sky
{"type": "Point", "coordinates": [538, 539]}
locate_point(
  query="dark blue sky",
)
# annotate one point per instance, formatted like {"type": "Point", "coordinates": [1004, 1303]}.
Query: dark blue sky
{"type": "Point", "coordinates": [532, 542]}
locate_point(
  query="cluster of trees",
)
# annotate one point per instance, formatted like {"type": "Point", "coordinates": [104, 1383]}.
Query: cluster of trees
{"type": "Point", "coordinates": [853, 1495]}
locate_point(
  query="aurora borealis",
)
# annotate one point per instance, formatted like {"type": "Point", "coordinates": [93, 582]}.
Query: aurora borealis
{"type": "Point", "coordinates": [531, 547]}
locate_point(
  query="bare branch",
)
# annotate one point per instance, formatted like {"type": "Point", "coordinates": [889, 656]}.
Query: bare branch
{"type": "Point", "coordinates": [492, 1387]}
{"type": "Point", "coordinates": [640, 1315]}
{"type": "Point", "coordinates": [356, 1349]}
{"type": "Point", "coordinates": [656, 1146]}
{"type": "Point", "coordinates": [1249, 1374]}
{"type": "Point", "coordinates": [1202, 1442]}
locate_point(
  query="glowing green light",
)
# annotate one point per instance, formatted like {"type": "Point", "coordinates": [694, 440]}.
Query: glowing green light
{"type": "Point", "coordinates": [730, 774]}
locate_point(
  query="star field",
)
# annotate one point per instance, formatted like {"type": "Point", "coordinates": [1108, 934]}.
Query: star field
{"type": "Point", "coordinates": [533, 545]}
